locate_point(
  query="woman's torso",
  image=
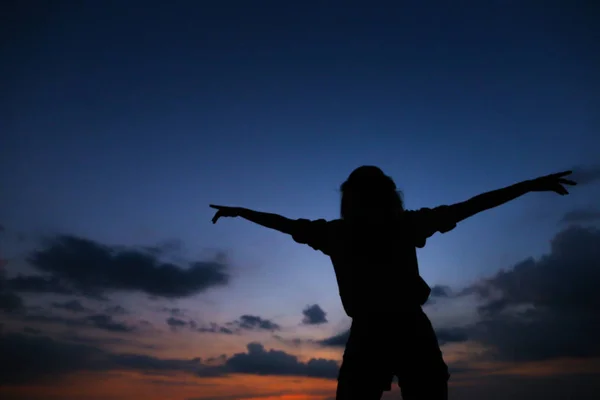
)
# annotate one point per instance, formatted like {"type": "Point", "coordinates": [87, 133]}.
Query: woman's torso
{"type": "Point", "coordinates": [376, 268]}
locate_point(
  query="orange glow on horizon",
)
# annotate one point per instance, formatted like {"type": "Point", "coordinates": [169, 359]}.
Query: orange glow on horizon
{"type": "Point", "coordinates": [128, 385]}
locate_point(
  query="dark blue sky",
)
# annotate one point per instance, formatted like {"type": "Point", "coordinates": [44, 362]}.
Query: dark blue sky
{"type": "Point", "coordinates": [123, 120]}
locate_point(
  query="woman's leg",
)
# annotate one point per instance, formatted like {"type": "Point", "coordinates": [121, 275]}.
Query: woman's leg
{"type": "Point", "coordinates": [348, 389]}
{"type": "Point", "coordinates": [366, 371]}
{"type": "Point", "coordinates": [422, 372]}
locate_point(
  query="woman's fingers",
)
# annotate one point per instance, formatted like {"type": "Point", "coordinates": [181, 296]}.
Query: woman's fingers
{"type": "Point", "coordinates": [218, 214]}
{"type": "Point", "coordinates": [560, 189]}
{"type": "Point", "coordinates": [567, 182]}
{"type": "Point", "coordinates": [561, 174]}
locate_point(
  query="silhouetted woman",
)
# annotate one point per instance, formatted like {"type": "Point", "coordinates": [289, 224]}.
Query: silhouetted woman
{"type": "Point", "coordinates": [373, 251]}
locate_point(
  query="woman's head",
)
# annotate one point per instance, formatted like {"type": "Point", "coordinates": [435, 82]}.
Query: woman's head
{"type": "Point", "coordinates": [370, 194]}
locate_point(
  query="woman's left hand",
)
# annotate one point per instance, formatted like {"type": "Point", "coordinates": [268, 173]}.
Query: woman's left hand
{"type": "Point", "coordinates": [224, 211]}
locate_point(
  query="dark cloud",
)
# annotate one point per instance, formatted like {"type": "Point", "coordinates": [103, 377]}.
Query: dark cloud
{"type": "Point", "coordinates": [585, 175]}
{"type": "Point", "coordinates": [215, 328]}
{"type": "Point", "coordinates": [338, 340]}
{"type": "Point", "coordinates": [54, 319]}
{"type": "Point", "coordinates": [99, 321]}
{"type": "Point", "coordinates": [525, 387]}
{"type": "Point", "coordinates": [31, 331]}
{"type": "Point", "coordinates": [21, 355]}
{"type": "Point", "coordinates": [253, 322]}
{"type": "Point", "coordinates": [275, 362]}
{"type": "Point", "coordinates": [146, 323]}
{"type": "Point", "coordinates": [580, 216]}
{"type": "Point", "coordinates": [493, 307]}
{"type": "Point", "coordinates": [74, 306]}
{"type": "Point", "coordinates": [566, 278]}
{"type": "Point", "coordinates": [544, 308]}
{"type": "Point", "coordinates": [106, 322]}
{"type": "Point", "coordinates": [102, 341]}
{"type": "Point", "coordinates": [175, 312]}
{"type": "Point", "coordinates": [218, 360]}
{"type": "Point", "coordinates": [116, 310]}
{"type": "Point", "coordinates": [314, 315]}
{"type": "Point", "coordinates": [175, 323]}
{"type": "Point", "coordinates": [244, 323]}
{"type": "Point", "coordinates": [440, 291]}
{"type": "Point", "coordinates": [39, 284]}
{"type": "Point", "coordinates": [74, 264]}
{"type": "Point", "coordinates": [10, 302]}
{"type": "Point", "coordinates": [451, 335]}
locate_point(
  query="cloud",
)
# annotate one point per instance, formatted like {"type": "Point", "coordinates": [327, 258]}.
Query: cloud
{"type": "Point", "coordinates": [244, 323]}
{"type": "Point", "coordinates": [253, 322]}
{"type": "Point", "coordinates": [545, 308]}
{"type": "Point", "coordinates": [580, 216]}
{"type": "Point", "coordinates": [98, 321]}
{"type": "Point", "coordinates": [440, 291]}
{"type": "Point", "coordinates": [566, 278]}
{"type": "Point", "coordinates": [451, 335]}
{"type": "Point", "coordinates": [39, 284]}
{"type": "Point", "coordinates": [102, 340]}
{"type": "Point", "coordinates": [215, 328]}
{"type": "Point", "coordinates": [74, 306]}
{"type": "Point", "coordinates": [10, 302]}
{"type": "Point", "coordinates": [116, 310]}
{"type": "Point", "coordinates": [314, 315]}
{"type": "Point", "coordinates": [175, 323]}
{"type": "Point", "coordinates": [276, 362]}
{"type": "Point", "coordinates": [106, 322]}
{"type": "Point", "coordinates": [77, 265]}
{"type": "Point", "coordinates": [21, 353]}
{"type": "Point", "coordinates": [54, 319]}
{"type": "Point", "coordinates": [338, 340]}
{"type": "Point", "coordinates": [175, 312]}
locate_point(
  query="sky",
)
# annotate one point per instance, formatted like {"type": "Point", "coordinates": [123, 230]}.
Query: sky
{"type": "Point", "coordinates": [122, 121]}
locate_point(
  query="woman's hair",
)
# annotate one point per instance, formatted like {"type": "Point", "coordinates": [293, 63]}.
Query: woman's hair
{"type": "Point", "coordinates": [368, 190]}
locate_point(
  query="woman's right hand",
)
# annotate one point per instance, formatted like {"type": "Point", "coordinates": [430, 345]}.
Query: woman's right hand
{"type": "Point", "coordinates": [552, 183]}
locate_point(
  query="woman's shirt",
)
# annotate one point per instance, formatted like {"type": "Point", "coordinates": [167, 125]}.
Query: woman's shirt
{"type": "Point", "coordinates": [375, 263]}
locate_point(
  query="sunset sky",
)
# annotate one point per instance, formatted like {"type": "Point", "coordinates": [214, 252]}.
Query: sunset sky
{"type": "Point", "coordinates": [122, 121]}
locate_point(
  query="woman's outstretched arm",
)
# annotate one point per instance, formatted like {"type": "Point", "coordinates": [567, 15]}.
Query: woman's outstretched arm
{"type": "Point", "coordinates": [549, 183]}
{"type": "Point", "coordinates": [313, 233]}
{"type": "Point", "coordinates": [268, 220]}
{"type": "Point", "coordinates": [443, 219]}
